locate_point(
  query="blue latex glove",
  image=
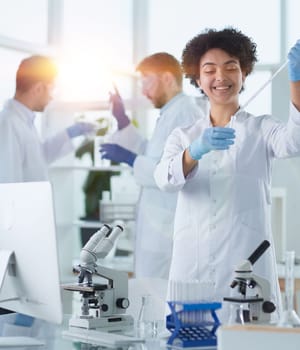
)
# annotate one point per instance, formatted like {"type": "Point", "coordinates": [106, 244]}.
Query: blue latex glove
{"type": "Point", "coordinates": [216, 138]}
{"type": "Point", "coordinates": [117, 153]}
{"type": "Point", "coordinates": [80, 128]}
{"type": "Point", "coordinates": [118, 110]}
{"type": "Point", "coordinates": [24, 320]}
{"type": "Point", "coordinates": [294, 62]}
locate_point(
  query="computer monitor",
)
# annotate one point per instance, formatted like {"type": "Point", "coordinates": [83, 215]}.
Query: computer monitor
{"type": "Point", "coordinates": [29, 271]}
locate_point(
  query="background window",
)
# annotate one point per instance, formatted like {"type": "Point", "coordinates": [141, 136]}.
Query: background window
{"type": "Point", "coordinates": [260, 21]}
{"type": "Point", "coordinates": [9, 61]}
{"type": "Point", "coordinates": [25, 20]}
{"type": "Point", "coordinates": [97, 48]}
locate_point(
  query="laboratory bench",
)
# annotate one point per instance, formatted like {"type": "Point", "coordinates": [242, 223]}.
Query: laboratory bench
{"type": "Point", "coordinates": [230, 338]}
{"type": "Point", "coordinates": [56, 339]}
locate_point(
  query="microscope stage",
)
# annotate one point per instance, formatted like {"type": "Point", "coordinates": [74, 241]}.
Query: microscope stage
{"type": "Point", "coordinates": [244, 300]}
{"type": "Point", "coordinates": [84, 288]}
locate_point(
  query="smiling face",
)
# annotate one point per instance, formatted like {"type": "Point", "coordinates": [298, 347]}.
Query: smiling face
{"type": "Point", "coordinates": [221, 77]}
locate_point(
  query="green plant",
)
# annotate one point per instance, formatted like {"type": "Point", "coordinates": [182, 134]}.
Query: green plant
{"type": "Point", "coordinates": [96, 181]}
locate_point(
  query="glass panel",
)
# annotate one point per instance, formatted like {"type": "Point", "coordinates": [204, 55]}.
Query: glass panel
{"type": "Point", "coordinates": [293, 22]}
{"type": "Point", "coordinates": [195, 15]}
{"type": "Point", "coordinates": [97, 42]}
{"type": "Point", "coordinates": [25, 20]}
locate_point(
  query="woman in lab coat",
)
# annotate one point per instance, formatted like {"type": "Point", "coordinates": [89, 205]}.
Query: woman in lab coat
{"type": "Point", "coordinates": [222, 173]}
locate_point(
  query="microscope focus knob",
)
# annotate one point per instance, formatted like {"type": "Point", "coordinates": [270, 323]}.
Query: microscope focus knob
{"type": "Point", "coordinates": [104, 307]}
{"type": "Point", "coordinates": [122, 303]}
{"type": "Point", "coordinates": [268, 307]}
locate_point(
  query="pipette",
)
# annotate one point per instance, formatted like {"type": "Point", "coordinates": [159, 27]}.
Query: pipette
{"type": "Point", "coordinates": [265, 84]}
{"type": "Point", "coordinates": [259, 91]}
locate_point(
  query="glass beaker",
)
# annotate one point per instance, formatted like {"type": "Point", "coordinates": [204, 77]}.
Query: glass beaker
{"type": "Point", "coordinates": [147, 324]}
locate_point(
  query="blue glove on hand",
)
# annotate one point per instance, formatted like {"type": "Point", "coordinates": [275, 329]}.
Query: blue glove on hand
{"type": "Point", "coordinates": [216, 138]}
{"type": "Point", "coordinates": [294, 62]}
{"type": "Point", "coordinates": [117, 153]}
{"type": "Point", "coordinates": [80, 128]}
{"type": "Point", "coordinates": [118, 110]}
{"type": "Point", "coordinates": [24, 320]}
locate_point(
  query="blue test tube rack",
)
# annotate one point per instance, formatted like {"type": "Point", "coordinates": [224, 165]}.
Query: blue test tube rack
{"type": "Point", "coordinates": [193, 324]}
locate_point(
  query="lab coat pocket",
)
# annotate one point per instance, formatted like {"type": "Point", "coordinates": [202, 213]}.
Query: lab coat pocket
{"type": "Point", "coordinates": [252, 220]}
{"type": "Point", "coordinates": [250, 208]}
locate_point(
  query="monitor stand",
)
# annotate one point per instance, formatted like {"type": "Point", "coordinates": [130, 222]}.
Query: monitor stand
{"type": "Point", "coordinates": [5, 259]}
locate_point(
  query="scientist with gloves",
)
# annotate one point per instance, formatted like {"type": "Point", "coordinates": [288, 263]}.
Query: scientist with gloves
{"type": "Point", "coordinates": [23, 157]}
{"type": "Point", "coordinates": [161, 76]}
{"type": "Point", "coordinates": [221, 167]}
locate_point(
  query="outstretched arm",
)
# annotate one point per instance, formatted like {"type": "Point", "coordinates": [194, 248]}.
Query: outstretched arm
{"type": "Point", "coordinates": [294, 74]}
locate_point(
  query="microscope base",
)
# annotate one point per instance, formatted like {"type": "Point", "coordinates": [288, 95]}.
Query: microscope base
{"type": "Point", "coordinates": [113, 322]}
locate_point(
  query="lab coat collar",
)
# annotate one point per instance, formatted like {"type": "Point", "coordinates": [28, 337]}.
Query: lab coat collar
{"type": "Point", "coordinates": [240, 115]}
{"type": "Point", "coordinates": [27, 114]}
{"type": "Point", "coordinates": [171, 102]}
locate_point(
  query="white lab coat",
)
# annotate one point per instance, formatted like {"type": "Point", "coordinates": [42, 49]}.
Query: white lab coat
{"type": "Point", "coordinates": [155, 209]}
{"type": "Point", "coordinates": [223, 209]}
{"type": "Point", "coordinates": [23, 157]}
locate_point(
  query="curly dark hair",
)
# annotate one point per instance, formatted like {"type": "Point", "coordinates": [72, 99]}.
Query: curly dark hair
{"type": "Point", "coordinates": [231, 40]}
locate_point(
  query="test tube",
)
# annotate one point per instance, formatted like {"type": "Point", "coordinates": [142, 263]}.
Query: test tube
{"type": "Point", "coordinates": [289, 317]}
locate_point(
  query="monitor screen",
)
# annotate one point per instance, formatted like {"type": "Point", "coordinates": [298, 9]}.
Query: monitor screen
{"type": "Point", "coordinates": [29, 282]}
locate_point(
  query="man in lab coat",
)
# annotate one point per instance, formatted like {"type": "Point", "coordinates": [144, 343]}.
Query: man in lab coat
{"type": "Point", "coordinates": [161, 77]}
{"type": "Point", "coordinates": [23, 157]}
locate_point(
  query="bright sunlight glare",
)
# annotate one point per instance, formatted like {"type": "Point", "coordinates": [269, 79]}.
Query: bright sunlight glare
{"type": "Point", "coordinates": [84, 77]}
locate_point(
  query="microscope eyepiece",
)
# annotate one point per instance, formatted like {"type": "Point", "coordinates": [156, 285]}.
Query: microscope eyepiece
{"type": "Point", "coordinates": [258, 252]}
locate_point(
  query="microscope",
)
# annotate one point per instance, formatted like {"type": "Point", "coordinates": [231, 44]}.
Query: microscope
{"type": "Point", "coordinates": [109, 300]}
{"type": "Point", "coordinates": [257, 307]}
